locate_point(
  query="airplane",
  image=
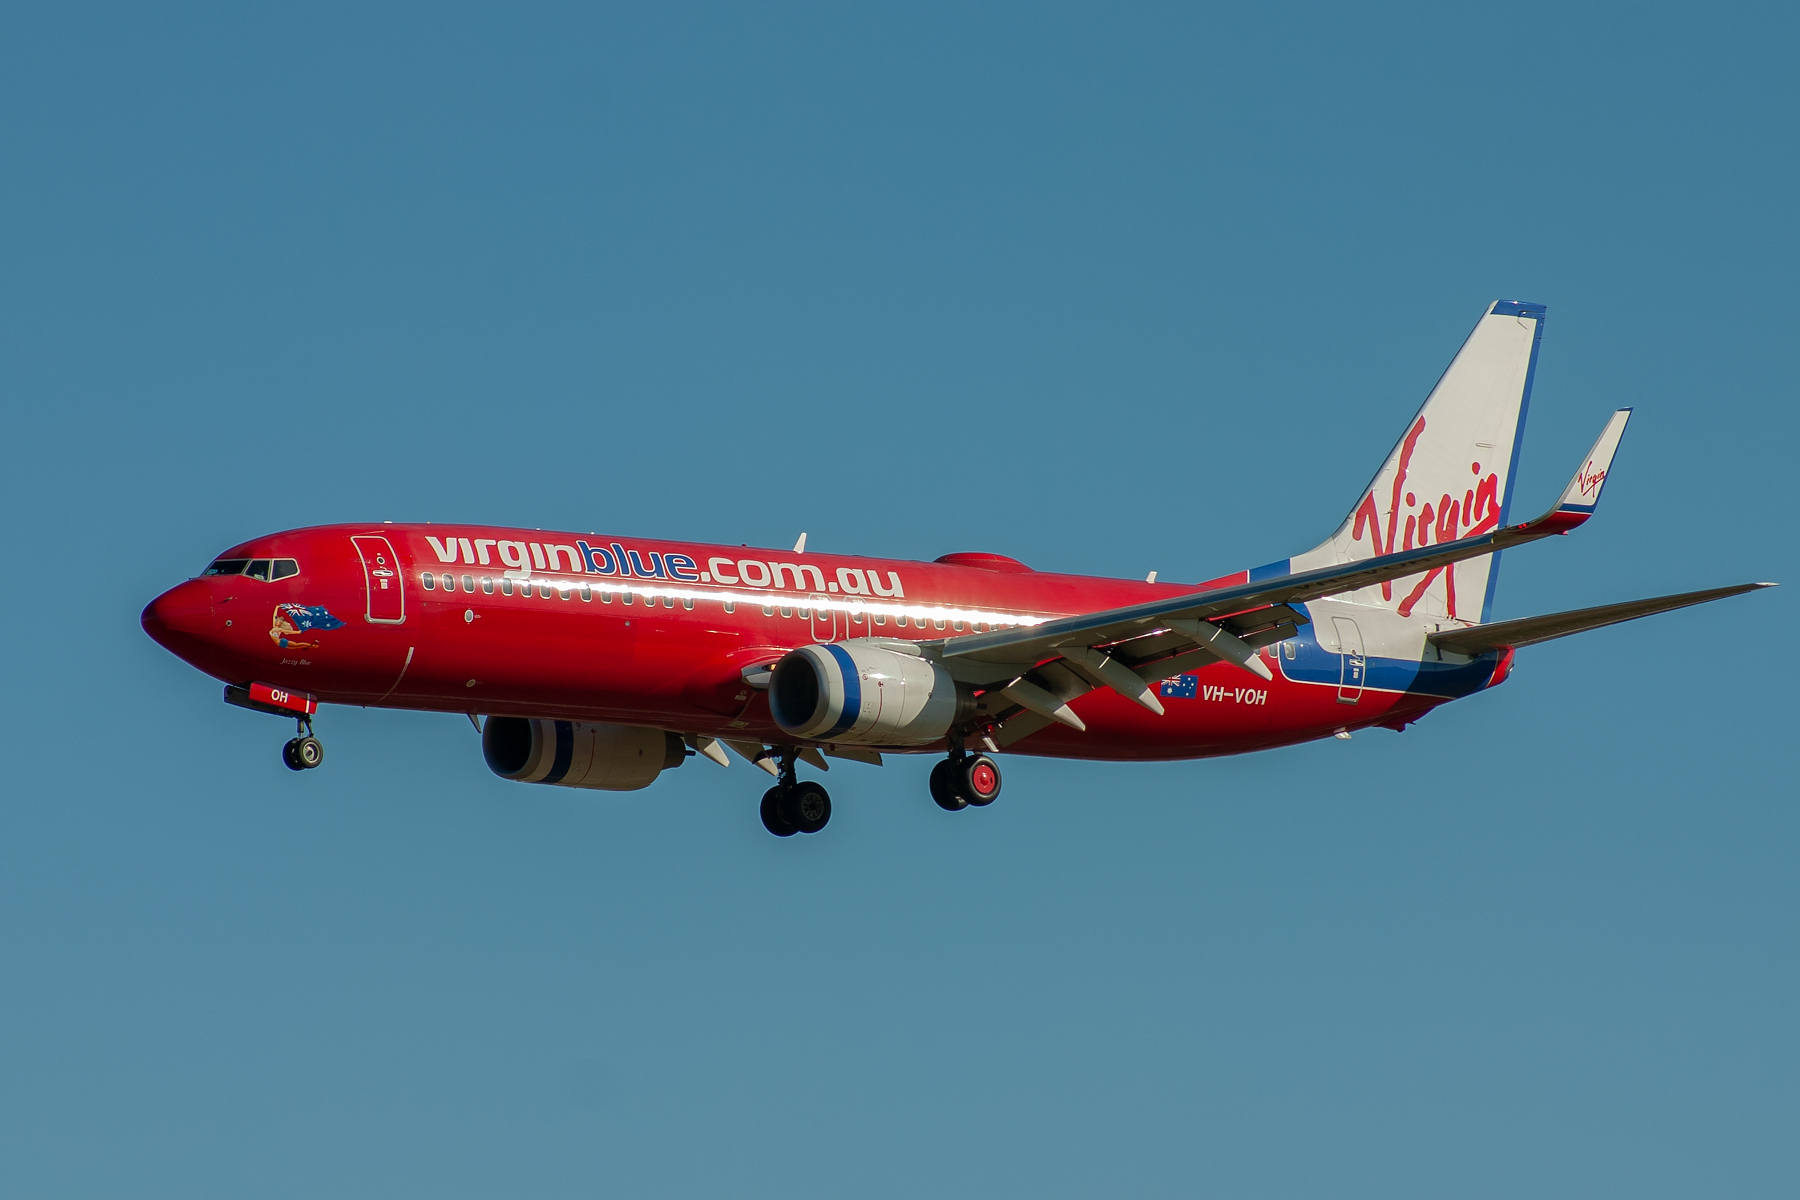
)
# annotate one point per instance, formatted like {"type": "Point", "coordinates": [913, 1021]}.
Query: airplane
{"type": "Point", "coordinates": [599, 661]}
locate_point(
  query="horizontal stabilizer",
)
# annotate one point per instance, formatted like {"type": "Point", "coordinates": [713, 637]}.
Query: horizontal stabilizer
{"type": "Point", "coordinates": [1529, 630]}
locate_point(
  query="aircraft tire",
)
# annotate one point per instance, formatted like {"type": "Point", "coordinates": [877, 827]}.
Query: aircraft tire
{"type": "Point", "coordinates": [289, 758]}
{"type": "Point", "coordinates": [772, 817]}
{"type": "Point", "coordinates": [309, 752]}
{"type": "Point", "coordinates": [943, 787]}
{"type": "Point", "coordinates": [977, 780]}
{"type": "Point", "coordinates": [808, 807]}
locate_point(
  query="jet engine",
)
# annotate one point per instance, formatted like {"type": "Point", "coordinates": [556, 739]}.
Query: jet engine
{"type": "Point", "coordinates": [613, 758]}
{"type": "Point", "coordinates": [861, 692]}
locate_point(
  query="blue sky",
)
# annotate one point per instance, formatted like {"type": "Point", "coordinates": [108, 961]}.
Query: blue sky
{"type": "Point", "coordinates": [1108, 291]}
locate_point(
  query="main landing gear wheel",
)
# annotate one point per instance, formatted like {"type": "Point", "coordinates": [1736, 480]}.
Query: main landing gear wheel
{"type": "Point", "coordinates": [303, 753]}
{"type": "Point", "coordinates": [796, 808]}
{"type": "Point", "coordinates": [978, 780]}
{"type": "Point", "coordinates": [772, 817]}
{"type": "Point", "coordinates": [807, 806]}
{"type": "Point", "coordinates": [943, 786]}
{"type": "Point", "coordinates": [963, 780]}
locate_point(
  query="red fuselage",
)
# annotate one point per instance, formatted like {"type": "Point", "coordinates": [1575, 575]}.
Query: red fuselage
{"type": "Point", "coordinates": [507, 622]}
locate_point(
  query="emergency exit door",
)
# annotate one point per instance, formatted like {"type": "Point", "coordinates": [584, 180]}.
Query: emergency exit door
{"type": "Point", "coordinates": [382, 581]}
{"type": "Point", "coordinates": [825, 620]}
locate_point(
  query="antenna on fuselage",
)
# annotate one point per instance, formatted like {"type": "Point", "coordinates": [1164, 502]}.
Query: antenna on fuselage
{"type": "Point", "coordinates": [800, 546]}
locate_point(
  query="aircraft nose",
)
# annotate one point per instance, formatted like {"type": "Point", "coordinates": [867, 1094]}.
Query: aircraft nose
{"type": "Point", "coordinates": [182, 612]}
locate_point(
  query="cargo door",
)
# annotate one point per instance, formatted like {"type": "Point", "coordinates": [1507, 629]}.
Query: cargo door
{"type": "Point", "coordinates": [382, 581]}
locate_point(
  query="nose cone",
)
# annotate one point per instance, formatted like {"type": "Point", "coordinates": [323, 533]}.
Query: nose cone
{"type": "Point", "coordinates": [180, 617]}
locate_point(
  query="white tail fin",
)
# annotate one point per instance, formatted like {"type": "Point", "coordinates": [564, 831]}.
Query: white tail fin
{"type": "Point", "coordinates": [1451, 475]}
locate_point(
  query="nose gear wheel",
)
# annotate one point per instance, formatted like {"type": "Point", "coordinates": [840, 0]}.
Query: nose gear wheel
{"type": "Point", "coordinates": [303, 753]}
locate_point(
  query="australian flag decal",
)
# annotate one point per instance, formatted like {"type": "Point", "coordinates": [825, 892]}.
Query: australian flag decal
{"type": "Point", "coordinates": [302, 617]}
{"type": "Point", "coordinates": [1180, 687]}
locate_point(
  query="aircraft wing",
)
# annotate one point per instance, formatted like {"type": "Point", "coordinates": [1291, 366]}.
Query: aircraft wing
{"type": "Point", "coordinates": [1125, 648]}
{"type": "Point", "coordinates": [1530, 630]}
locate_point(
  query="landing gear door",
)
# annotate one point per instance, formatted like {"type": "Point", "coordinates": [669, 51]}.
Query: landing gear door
{"type": "Point", "coordinates": [382, 580]}
{"type": "Point", "coordinates": [1353, 666]}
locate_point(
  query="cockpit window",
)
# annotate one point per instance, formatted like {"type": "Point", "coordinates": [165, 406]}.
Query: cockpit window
{"type": "Point", "coordinates": [265, 569]}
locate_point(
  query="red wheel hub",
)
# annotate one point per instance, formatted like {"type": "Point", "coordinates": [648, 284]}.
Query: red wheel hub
{"type": "Point", "coordinates": [984, 779]}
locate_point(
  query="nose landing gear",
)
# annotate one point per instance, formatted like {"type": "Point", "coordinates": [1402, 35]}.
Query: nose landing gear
{"type": "Point", "coordinates": [303, 752]}
{"type": "Point", "coordinates": [792, 806]}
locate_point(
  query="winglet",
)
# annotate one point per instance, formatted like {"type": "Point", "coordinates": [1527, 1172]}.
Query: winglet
{"type": "Point", "coordinates": [1582, 495]}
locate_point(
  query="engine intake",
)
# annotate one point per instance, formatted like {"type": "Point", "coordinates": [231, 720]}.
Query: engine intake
{"type": "Point", "coordinates": [858, 692]}
{"type": "Point", "coordinates": [612, 758]}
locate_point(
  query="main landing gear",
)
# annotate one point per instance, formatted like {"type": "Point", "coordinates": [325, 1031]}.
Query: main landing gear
{"type": "Point", "coordinates": [965, 779]}
{"type": "Point", "coordinates": [305, 751]}
{"type": "Point", "coordinates": [794, 806]}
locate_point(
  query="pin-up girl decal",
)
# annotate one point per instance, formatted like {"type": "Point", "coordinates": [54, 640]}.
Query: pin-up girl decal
{"type": "Point", "coordinates": [294, 619]}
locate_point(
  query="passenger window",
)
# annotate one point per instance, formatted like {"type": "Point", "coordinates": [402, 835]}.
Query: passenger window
{"type": "Point", "coordinates": [956, 626]}
{"type": "Point", "coordinates": [487, 584]}
{"type": "Point", "coordinates": [565, 591]}
{"type": "Point", "coordinates": [605, 596]}
{"type": "Point", "coordinates": [687, 602]}
{"type": "Point", "coordinates": [768, 610]}
{"type": "Point", "coordinates": [625, 598]}
{"type": "Point", "coordinates": [469, 584]}
{"type": "Point", "coordinates": [856, 618]}
{"type": "Point", "coordinates": [587, 594]}
{"type": "Point", "coordinates": [227, 566]}
{"type": "Point", "coordinates": [258, 569]}
{"type": "Point", "coordinates": [506, 587]}
{"type": "Point", "coordinates": [1287, 650]}
{"type": "Point", "coordinates": [900, 621]}
{"type": "Point", "coordinates": [731, 606]}
{"type": "Point", "coordinates": [429, 580]}
{"type": "Point", "coordinates": [939, 623]}
{"type": "Point", "coordinates": [285, 567]}
{"type": "Point", "coordinates": [881, 618]}
{"type": "Point", "coordinates": [806, 614]}
{"type": "Point", "coordinates": [668, 602]}
{"type": "Point", "coordinates": [786, 611]}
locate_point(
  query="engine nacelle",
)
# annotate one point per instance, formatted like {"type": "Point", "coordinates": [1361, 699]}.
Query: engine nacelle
{"type": "Point", "coordinates": [858, 692]}
{"type": "Point", "coordinates": [613, 758]}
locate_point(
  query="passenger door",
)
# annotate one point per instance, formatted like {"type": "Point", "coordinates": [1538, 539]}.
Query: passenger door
{"type": "Point", "coordinates": [1353, 666]}
{"type": "Point", "coordinates": [382, 581]}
